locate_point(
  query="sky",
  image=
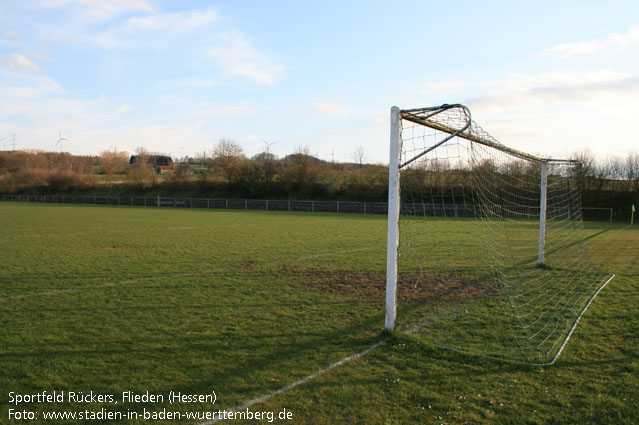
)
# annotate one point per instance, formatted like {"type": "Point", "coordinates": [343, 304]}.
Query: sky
{"type": "Point", "coordinates": [547, 77]}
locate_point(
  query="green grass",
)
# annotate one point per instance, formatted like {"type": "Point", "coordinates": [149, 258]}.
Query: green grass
{"type": "Point", "coordinates": [113, 299]}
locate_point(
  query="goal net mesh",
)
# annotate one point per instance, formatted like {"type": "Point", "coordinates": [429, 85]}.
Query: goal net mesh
{"type": "Point", "coordinates": [469, 277]}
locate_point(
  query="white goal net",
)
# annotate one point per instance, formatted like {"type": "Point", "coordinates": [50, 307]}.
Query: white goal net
{"type": "Point", "coordinates": [492, 255]}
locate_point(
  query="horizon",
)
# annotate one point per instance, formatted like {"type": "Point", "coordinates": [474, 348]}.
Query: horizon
{"type": "Point", "coordinates": [176, 78]}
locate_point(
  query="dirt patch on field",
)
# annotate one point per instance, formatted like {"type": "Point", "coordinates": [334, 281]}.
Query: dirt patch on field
{"type": "Point", "coordinates": [425, 287]}
{"type": "Point", "coordinates": [372, 286]}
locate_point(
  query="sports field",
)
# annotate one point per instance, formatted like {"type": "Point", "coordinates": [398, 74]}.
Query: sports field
{"type": "Point", "coordinates": [244, 303]}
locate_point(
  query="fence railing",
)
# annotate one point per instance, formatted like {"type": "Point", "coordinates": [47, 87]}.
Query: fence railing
{"type": "Point", "coordinates": [438, 210]}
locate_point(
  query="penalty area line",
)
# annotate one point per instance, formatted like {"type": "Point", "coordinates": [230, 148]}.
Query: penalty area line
{"type": "Point", "coordinates": [297, 383]}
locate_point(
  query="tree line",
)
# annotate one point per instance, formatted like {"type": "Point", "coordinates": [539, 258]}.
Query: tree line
{"type": "Point", "coordinates": [227, 172]}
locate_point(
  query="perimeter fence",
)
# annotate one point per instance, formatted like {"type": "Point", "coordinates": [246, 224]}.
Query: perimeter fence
{"type": "Point", "coordinates": [434, 210]}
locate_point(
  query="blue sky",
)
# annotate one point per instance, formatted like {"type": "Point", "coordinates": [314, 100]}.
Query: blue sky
{"type": "Point", "coordinates": [546, 77]}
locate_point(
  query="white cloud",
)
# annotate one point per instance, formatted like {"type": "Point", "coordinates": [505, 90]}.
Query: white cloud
{"type": "Point", "coordinates": [206, 110]}
{"type": "Point", "coordinates": [559, 87]}
{"type": "Point", "coordinates": [124, 108]}
{"type": "Point", "coordinates": [10, 34]}
{"type": "Point", "coordinates": [556, 113]}
{"type": "Point", "coordinates": [99, 10]}
{"type": "Point", "coordinates": [449, 87]}
{"type": "Point", "coordinates": [154, 29]}
{"type": "Point", "coordinates": [165, 138]}
{"type": "Point", "coordinates": [35, 106]}
{"type": "Point", "coordinates": [40, 107]}
{"type": "Point", "coordinates": [559, 113]}
{"type": "Point", "coordinates": [176, 22]}
{"type": "Point", "coordinates": [331, 109]}
{"type": "Point", "coordinates": [627, 39]}
{"type": "Point", "coordinates": [237, 57]}
{"type": "Point", "coordinates": [631, 38]}
{"type": "Point", "coordinates": [36, 84]}
{"type": "Point", "coordinates": [197, 82]}
{"type": "Point", "coordinates": [17, 62]}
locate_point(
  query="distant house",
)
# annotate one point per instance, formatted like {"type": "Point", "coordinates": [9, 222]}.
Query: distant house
{"type": "Point", "coordinates": [154, 160]}
{"type": "Point", "coordinates": [165, 169]}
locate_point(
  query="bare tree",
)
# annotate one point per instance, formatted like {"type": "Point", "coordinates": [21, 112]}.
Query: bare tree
{"type": "Point", "coordinates": [267, 161]}
{"type": "Point", "coordinates": [226, 148]}
{"type": "Point", "coordinates": [614, 168]}
{"type": "Point", "coordinates": [587, 162]}
{"type": "Point", "coordinates": [632, 169]}
{"type": "Point", "coordinates": [359, 155]}
{"type": "Point", "coordinates": [586, 168]}
{"type": "Point", "coordinates": [227, 155]}
{"type": "Point", "coordinates": [141, 170]}
{"type": "Point", "coordinates": [180, 175]}
{"type": "Point", "coordinates": [611, 171]}
{"type": "Point", "coordinates": [112, 163]}
{"type": "Point", "coordinates": [264, 157]}
{"type": "Point", "coordinates": [300, 167]}
{"type": "Point", "coordinates": [303, 151]}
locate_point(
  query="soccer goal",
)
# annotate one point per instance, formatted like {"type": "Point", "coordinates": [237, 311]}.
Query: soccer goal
{"type": "Point", "coordinates": [486, 249]}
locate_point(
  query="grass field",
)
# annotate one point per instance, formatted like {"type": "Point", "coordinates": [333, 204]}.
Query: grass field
{"type": "Point", "coordinates": [109, 299]}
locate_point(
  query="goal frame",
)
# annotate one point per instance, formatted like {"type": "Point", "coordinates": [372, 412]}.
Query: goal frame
{"type": "Point", "coordinates": [396, 163]}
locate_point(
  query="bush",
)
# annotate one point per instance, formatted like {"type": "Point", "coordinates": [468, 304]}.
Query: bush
{"type": "Point", "coordinates": [63, 181]}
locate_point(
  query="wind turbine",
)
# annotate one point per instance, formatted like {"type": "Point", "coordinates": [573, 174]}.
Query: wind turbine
{"type": "Point", "coordinates": [60, 140]}
{"type": "Point", "coordinates": [268, 146]}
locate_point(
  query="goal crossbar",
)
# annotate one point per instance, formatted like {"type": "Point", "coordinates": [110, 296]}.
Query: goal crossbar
{"type": "Point", "coordinates": [414, 115]}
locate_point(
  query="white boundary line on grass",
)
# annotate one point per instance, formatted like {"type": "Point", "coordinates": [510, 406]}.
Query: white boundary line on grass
{"type": "Point", "coordinates": [40, 235]}
{"type": "Point", "coordinates": [550, 363]}
{"type": "Point", "coordinates": [297, 383]}
{"type": "Point", "coordinates": [574, 326]}
{"type": "Point", "coordinates": [105, 285]}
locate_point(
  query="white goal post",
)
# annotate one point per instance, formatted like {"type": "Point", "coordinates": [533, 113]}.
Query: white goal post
{"type": "Point", "coordinates": [508, 191]}
{"type": "Point", "coordinates": [392, 253]}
